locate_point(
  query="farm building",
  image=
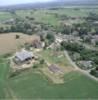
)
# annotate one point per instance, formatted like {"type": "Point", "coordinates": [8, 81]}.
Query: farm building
{"type": "Point", "coordinates": [37, 44]}
{"type": "Point", "coordinates": [55, 69]}
{"type": "Point", "coordinates": [23, 56]}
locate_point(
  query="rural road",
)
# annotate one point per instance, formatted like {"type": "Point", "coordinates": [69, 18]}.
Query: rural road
{"type": "Point", "coordinates": [77, 68]}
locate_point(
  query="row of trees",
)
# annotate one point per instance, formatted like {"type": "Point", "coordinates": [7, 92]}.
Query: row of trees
{"type": "Point", "coordinates": [85, 54]}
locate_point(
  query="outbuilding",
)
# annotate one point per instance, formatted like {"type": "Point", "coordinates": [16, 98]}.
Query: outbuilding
{"type": "Point", "coordinates": [23, 56]}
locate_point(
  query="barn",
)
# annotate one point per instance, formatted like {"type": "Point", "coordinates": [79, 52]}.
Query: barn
{"type": "Point", "coordinates": [23, 56]}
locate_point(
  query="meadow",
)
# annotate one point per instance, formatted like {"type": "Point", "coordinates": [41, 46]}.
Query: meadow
{"type": "Point", "coordinates": [55, 57]}
{"type": "Point", "coordinates": [47, 16]}
{"type": "Point", "coordinates": [4, 71]}
{"type": "Point", "coordinates": [33, 84]}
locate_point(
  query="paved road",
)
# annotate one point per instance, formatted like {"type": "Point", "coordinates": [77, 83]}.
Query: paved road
{"type": "Point", "coordinates": [77, 68]}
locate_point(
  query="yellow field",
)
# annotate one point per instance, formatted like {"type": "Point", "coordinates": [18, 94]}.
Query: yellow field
{"type": "Point", "coordinates": [9, 44]}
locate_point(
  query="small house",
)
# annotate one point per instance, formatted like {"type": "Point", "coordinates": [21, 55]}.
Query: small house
{"type": "Point", "coordinates": [86, 64]}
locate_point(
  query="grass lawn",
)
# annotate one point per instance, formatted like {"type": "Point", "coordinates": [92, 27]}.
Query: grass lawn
{"type": "Point", "coordinates": [53, 58]}
{"type": "Point", "coordinates": [36, 86]}
{"type": "Point", "coordinates": [4, 68]}
{"type": "Point", "coordinates": [30, 84]}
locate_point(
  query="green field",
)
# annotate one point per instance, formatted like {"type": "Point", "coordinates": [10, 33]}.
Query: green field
{"type": "Point", "coordinates": [5, 16]}
{"type": "Point", "coordinates": [79, 12]}
{"type": "Point", "coordinates": [48, 16]}
{"type": "Point", "coordinates": [30, 84]}
{"type": "Point", "coordinates": [36, 86]}
{"type": "Point", "coordinates": [4, 69]}
{"type": "Point", "coordinates": [55, 58]}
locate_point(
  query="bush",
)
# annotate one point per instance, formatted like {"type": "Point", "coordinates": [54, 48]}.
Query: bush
{"type": "Point", "coordinates": [35, 66]}
{"type": "Point", "coordinates": [17, 36]}
{"type": "Point", "coordinates": [42, 61]}
{"type": "Point", "coordinates": [50, 37]}
{"type": "Point", "coordinates": [94, 73]}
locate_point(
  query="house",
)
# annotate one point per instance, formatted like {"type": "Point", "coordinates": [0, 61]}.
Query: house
{"type": "Point", "coordinates": [37, 44]}
{"type": "Point", "coordinates": [67, 38]}
{"type": "Point", "coordinates": [85, 64]}
{"type": "Point", "coordinates": [23, 56]}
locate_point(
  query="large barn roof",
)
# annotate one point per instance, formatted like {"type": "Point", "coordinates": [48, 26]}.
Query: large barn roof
{"type": "Point", "coordinates": [23, 55]}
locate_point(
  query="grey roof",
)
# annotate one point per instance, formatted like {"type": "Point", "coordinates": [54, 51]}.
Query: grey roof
{"type": "Point", "coordinates": [86, 63]}
{"type": "Point", "coordinates": [23, 55]}
{"type": "Point", "coordinates": [54, 68]}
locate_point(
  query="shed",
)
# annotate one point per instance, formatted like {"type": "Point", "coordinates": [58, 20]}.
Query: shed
{"type": "Point", "coordinates": [55, 69]}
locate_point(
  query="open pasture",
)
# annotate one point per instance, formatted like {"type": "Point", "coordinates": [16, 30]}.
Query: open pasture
{"type": "Point", "coordinates": [38, 87]}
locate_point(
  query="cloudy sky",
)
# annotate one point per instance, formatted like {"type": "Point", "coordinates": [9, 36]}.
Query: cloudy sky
{"type": "Point", "coordinates": [11, 2]}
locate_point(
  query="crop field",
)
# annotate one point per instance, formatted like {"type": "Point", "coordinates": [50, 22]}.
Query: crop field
{"type": "Point", "coordinates": [9, 44]}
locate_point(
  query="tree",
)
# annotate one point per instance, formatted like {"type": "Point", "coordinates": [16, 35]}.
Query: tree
{"type": "Point", "coordinates": [72, 46]}
{"type": "Point", "coordinates": [42, 61]}
{"type": "Point", "coordinates": [17, 36]}
{"type": "Point", "coordinates": [92, 16]}
{"type": "Point", "coordinates": [29, 31]}
{"type": "Point", "coordinates": [50, 38]}
{"type": "Point", "coordinates": [35, 66]}
{"type": "Point", "coordinates": [96, 43]}
{"type": "Point", "coordinates": [1, 29]}
{"type": "Point", "coordinates": [42, 37]}
{"type": "Point", "coordinates": [83, 31]}
{"type": "Point", "coordinates": [87, 40]}
{"type": "Point", "coordinates": [96, 60]}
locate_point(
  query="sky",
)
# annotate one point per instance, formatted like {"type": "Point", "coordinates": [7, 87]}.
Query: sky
{"type": "Point", "coordinates": [11, 2]}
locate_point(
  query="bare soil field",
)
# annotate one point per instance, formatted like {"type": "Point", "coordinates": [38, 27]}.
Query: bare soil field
{"type": "Point", "coordinates": [9, 44]}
